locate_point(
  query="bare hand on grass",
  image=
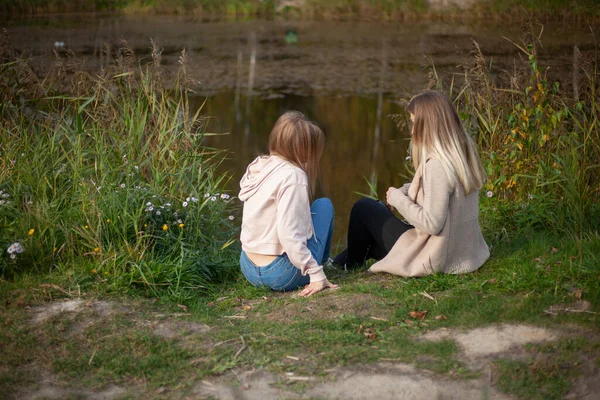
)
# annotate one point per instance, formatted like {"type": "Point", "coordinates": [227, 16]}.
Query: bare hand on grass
{"type": "Point", "coordinates": [315, 287]}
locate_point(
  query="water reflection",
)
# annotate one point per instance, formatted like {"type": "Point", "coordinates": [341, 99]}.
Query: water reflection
{"type": "Point", "coordinates": [363, 142]}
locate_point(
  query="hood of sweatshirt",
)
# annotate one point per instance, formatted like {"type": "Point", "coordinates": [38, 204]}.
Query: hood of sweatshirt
{"type": "Point", "coordinates": [257, 173]}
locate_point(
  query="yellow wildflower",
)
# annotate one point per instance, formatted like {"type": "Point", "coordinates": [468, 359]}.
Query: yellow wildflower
{"type": "Point", "coordinates": [96, 249]}
{"type": "Point", "coordinates": [86, 227]}
{"type": "Point", "coordinates": [93, 270]}
{"type": "Point", "coordinates": [181, 225]}
{"type": "Point", "coordinates": [31, 232]}
{"type": "Point", "coordinates": [105, 272]}
{"type": "Point", "coordinates": [165, 227]}
{"type": "Point", "coordinates": [108, 221]}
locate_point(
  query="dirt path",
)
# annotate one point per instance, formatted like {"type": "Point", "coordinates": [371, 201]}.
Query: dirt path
{"type": "Point", "coordinates": [391, 379]}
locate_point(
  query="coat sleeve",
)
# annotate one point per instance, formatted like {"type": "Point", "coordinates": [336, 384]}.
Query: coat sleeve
{"type": "Point", "coordinates": [294, 223]}
{"type": "Point", "coordinates": [437, 187]}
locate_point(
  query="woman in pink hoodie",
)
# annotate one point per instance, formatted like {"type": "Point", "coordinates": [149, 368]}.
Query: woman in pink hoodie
{"type": "Point", "coordinates": [285, 239]}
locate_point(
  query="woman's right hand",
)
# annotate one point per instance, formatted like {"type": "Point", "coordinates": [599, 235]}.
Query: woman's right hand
{"type": "Point", "coordinates": [315, 287]}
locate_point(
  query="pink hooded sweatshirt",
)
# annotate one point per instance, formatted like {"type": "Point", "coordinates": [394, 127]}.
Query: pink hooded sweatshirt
{"type": "Point", "coordinates": [276, 217]}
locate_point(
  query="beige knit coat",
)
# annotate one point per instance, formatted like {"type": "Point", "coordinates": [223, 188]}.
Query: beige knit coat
{"type": "Point", "coordinates": [447, 237]}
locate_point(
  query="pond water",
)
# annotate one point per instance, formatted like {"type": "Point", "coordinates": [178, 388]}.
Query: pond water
{"type": "Point", "coordinates": [350, 77]}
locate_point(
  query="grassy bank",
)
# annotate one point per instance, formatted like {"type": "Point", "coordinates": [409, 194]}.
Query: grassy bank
{"type": "Point", "coordinates": [104, 177]}
{"type": "Point", "coordinates": [161, 349]}
{"type": "Point", "coordinates": [327, 9]}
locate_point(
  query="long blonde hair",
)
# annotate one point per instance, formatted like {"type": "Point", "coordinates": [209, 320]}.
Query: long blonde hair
{"type": "Point", "coordinates": [438, 132]}
{"type": "Point", "coordinates": [300, 141]}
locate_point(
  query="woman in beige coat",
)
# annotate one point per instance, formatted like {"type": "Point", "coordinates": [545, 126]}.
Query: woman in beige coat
{"type": "Point", "coordinates": [440, 205]}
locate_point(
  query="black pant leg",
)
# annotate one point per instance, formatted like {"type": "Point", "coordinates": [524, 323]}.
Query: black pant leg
{"type": "Point", "coordinates": [372, 232]}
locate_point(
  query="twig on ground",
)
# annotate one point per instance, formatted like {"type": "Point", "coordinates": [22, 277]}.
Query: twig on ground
{"type": "Point", "coordinates": [379, 319]}
{"type": "Point", "coordinates": [223, 342]}
{"type": "Point", "coordinates": [239, 351]}
{"type": "Point", "coordinates": [430, 297]}
{"type": "Point", "coordinates": [234, 317]}
{"type": "Point", "coordinates": [92, 357]}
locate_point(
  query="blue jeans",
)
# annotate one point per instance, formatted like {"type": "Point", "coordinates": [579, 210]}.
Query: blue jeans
{"type": "Point", "coordinates": [281, 274]}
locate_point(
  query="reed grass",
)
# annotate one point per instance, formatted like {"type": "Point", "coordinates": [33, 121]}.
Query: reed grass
{"type": "Point", "coordinates": [539, 140]}
{"type": "Point", "coordinates": [105, 177]}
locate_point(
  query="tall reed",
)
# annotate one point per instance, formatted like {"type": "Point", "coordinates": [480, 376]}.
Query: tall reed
{"type": "Point", "coordinates": [105, 177]}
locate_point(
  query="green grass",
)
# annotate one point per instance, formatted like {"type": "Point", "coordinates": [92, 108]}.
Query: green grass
{"type": "Point", "coordinates": [255, 328]}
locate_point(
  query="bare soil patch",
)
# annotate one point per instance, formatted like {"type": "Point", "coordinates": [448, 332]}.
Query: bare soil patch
{"type": "Point", "coordinates": [49, 387]}
{"type": "Point", "coordinates": [380, 381]}
{"type": "Point", "coordinates": [329, 307]}
{"type": "Point", "coordinates": [480, 344]}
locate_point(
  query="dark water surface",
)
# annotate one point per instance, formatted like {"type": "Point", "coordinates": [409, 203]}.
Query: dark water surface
{"type": "Point", "coordinates": [348, 76]}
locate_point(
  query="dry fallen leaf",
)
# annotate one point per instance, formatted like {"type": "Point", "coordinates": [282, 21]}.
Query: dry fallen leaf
{"type": "Point", "coordinates": [577, 294]}
{"type": "Point", "coordinates": [538, 259]}
{"type": "Point", "coordinates": [554, 250]}
{"type": "Point", "coordinates": [211, 304]}
{"type": "Point", "coordinates": [183, 307]}
{"type": "Point", "coordinates": [246, 307]}
{"type": "Point", "coordinates": [442, 316]}
{"type": "Point", "coordinates": [265, 298]}
{"type": "Point", "coordinates": [360, 329]}
{"type": "Point", "coordinates": [418, 314]}
{"type": "Point", "coordinates": [408, 322]}
{"type": "Point", "coordinates": [492, 281]}
{"type": "Point", "coordinates": [369, 333]}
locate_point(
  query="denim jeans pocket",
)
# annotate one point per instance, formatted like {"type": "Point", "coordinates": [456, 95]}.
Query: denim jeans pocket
{"type": "Point", "coordinates": [286, 280]}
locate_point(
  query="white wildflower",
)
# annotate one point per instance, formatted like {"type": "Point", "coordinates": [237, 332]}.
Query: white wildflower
{"type": "Point", "coordinates": [15, 248]}
{"type": "Point", "coordinates": [225, 196]}
{"type": "Point", "coordinates": [231, 217]}
{"type": "Point", "coordinates": [136, 168]}
{"type": "Point", "coordinates": [195, 199]}
{"type": "Point", "coordinates": [530, 196]}
{"type": "Point", "coordinates": [148, 204]}
{"type": "Point", "coordinates": [13, 256]}
{"type": "Point", "coordinates": [187, 199]}
{"type": "Point", "coordinates": [179, 221]}
{"type": "Point", "coordinates": [214, 198]}
{"type": "Point", "coordinates": [207, 195]}
{"type": "Point", "coordinates": [167, 204]}
{"type": "Point", "coordinates": [122, 186]}
{"type": "Point", "coordinates": [489, 193]}
{"type": "Point", "coordinates": [185, 204]}
{"type": "Point", "coordinates": [158, 212]}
